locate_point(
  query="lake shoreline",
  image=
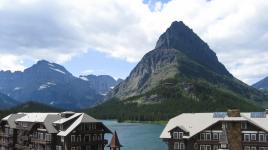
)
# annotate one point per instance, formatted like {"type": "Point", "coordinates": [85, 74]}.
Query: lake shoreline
{"type": "Point", "coordinates": [162, 122]}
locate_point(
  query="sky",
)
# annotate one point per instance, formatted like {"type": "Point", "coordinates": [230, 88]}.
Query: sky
{"type": "Point", "coordinates": [111, 36]}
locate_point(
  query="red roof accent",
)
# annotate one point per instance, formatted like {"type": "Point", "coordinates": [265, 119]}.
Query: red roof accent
{"type": "Point", "coordinates": [115, 141]}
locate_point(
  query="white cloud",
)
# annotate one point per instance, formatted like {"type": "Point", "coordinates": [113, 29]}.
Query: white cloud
{"type": "Point", "coordinates": [11, 62]}
{"type": "Point", "coordinates": [59, 30]}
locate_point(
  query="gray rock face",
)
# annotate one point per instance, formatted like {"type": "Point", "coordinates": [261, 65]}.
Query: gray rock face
{"type": "Point", "coordinates": [6, 102]}
{"type": "Point", "coordinates": [181, 37]}
{"type": "Point", "coordinates": [180, 54]}
{"type": "Point", "coordinates": [48, 83]}
{"type": "Point", "coordinates": [262, 84]}
{"type": "Point", "coordinates": [102, 84]}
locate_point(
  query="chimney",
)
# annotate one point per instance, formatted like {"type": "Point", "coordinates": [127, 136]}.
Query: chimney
{"type": "Point", "coordinates": [233, 113]}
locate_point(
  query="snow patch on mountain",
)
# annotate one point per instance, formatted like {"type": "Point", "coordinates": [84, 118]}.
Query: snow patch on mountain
{"type": "Point", "coordinates": [83, 78]}
{"type": "Point", "coordinates": [46, 85]}
{"type": "Point", "coordinates": [58, 70]}
{"type": "Point", "coordinates": [17, 88]}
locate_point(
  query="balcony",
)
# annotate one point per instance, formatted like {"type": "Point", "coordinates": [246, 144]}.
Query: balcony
{"type": "Point", "coordinates": [6, 144]}
{"type": "Point", "coordinates": [40, 141]}
{"type": "Point", "coordinates": [24, 147]}
{"type": "Point", "coordinates": [6, 135]}
{"type": "Point", "coordinates": [90, 142]}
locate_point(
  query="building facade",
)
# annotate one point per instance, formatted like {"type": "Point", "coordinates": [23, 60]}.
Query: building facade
{"type": "Point", "coordinates": [230, 130]}
{"type": "Point", "coordinates": [52, 131]}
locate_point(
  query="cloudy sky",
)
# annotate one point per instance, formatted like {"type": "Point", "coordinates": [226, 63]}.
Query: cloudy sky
{"type": "Point", "coordinates": [111, 36]}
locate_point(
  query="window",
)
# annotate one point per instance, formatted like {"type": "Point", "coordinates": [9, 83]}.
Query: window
{"type": "Point", "coordinates": [176, 135]}
{"type": "Point", "coordinates": [73, 148]}
{"type": "Point", "coordinates": [215, 147]}
{"type": "Point", "coordinates": [62, 138]}
{"type": "Point", "coordinates": [88, 147]}
{"type": "Point", "coordinates": [253, 137]}
{"type": "Point", "coordinates": [202, 136]}
{"type": "Point", "coordinates": [247, 137]}
{"type": "Point", "coordinates": [79, 138]}
{"type": "Point", "coordinates": [208, 147]}
{"type": "Point", "coordinates": [180, 135]}
{"type": "Point", "coordinates": [223, 145]}
{"type": "Point", "coordinates": [58, 147]}
{"type": "Point", "coordinates": [215, 136]}
{"type": "Point", "coordinates": [246, 148]}
{"type": "Point", "coordinates": [253, 148]}
{"type": "Point", "coordinates": [176, 145]}
{"type": "Point", "coordinates": [93, 126]}
{"type": "Point", "coordinates": [48, 137]}
{"type": "Point", "coordinates": [262, 138]}
{"type": "Point", "coordinates": [208, 136]}
{"type": "Point", "coordinates": [72, 138]}
{"type": "Point", "coordinates": [41, 136]}
{"type": "Point", "coordinates": [244, 125]}
{"type": "Point", "coordinates": [182, 146]}
{"type": "Point", "coordinates": [202, 147]}
{"type": "Point", "coordinates": [87, 138]}
{"type": "Point", "coordinates": [263, 148]}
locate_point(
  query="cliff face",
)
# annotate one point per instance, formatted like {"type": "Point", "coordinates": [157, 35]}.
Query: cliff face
{"type": "Point", "coordinates": [180, 54]}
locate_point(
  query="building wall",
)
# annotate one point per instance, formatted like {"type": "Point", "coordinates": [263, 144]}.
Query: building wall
{"type": "Point", "coordinates": [235, 135]}
{"type": "Point", "coordinates": [36, 136]}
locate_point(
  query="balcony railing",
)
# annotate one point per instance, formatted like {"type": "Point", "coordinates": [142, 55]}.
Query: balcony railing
{"type": "Point", "coordinates": [6, 135]}
{"type": "Point", "coordinates": [41, 141]}
{"type": "Point", "coordinates": [6, 144]}
{"type": "Point", "coordinates": [90, 142]}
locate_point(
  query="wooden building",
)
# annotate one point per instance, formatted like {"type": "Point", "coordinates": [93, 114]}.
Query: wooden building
{"type": "Point", "coordinates": [115, 143]}
{"type": "Point", "coordinates": [230, 130]}
{"type": "Point", "coordinates": [52, 131]}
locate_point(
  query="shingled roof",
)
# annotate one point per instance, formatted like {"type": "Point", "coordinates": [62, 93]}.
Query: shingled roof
{"type": "Point", "coordinates": [49, 120]}
{"type": "Point", "coordinates": [197, 122]}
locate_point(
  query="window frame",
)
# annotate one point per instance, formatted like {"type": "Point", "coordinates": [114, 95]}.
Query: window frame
{"type": "Point", "coordinates": [247, 135]}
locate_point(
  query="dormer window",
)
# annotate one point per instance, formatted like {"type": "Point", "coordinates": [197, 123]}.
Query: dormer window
{"type": "Point", "coordinates": [244, 125]}
{"type": "Point", "coordinates": [180, 135]}
{"type": "Point", "coordinates": [177, 135]}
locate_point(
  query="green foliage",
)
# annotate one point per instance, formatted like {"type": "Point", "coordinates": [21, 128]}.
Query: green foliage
{"type": "Point", "coordinates": [174, 96]}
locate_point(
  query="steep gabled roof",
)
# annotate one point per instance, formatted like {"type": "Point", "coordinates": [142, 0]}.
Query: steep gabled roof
{"type": "Point", "coordinates": [50, 119]}
{"type": "Point", "coordinates": [197, 122]}
{"type": "Point", "coordinates": [63, 120]}
{"type": "Point", "coordinates": [34, 117]}
{"type": "Point", "coordinates": [83, 118]}
{"type": "Point", "coordinates": [12, 118]}
{"type": "Point", "coordinates": [115, 141]}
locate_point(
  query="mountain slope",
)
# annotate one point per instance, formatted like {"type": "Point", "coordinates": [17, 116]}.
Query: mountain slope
{"type": "Point", "coordinates": [262, 84]}
{"type": "Point", "coordinates": [182, 54]}
{"type": "Point", "coordinates": [182, 74]}
{"type": "Point", "coordinates": [7, 102]}
{"type": "Point", "coordinates": [101, 83]}
{"type": "Point", "coordinates": [48, 83]}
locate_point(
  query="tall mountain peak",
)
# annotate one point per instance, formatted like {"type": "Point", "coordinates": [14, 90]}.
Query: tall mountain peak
{"type": "Point", "coordinates": [180, 37]}
{"type": "Point", "coordinates": [44, 66]}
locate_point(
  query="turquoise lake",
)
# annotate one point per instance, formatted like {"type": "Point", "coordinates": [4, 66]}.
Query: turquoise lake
{"type": "Point", "coordinates": [137, 136]}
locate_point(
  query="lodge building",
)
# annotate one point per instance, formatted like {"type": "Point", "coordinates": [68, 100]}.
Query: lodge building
{"type": "Point", "coordinates": [229, 130]}
{"type": "Point", "coordinates": [52, 131]}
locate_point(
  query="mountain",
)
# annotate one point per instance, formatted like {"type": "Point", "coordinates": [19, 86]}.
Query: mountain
{"type": "Point", "coordinates": [48, 83]}
{"type": "Point", "coordinates": [7, 102]}
{"type": "Point", "coordinates": [182, 74]}
{"type": "Point", "coordinates": [180, 54]}
{"type": "Point", "coordinates": [262, 84]}
{"type": "Point", "coordinates": [102, 83]}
